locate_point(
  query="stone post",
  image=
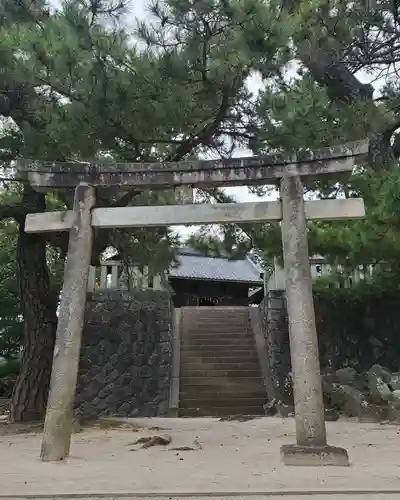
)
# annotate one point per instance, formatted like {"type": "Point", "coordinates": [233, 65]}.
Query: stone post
{"type": "Point", "coordinates": [59, 416]}
{"type": "Point", "coordinates": [311, 447]}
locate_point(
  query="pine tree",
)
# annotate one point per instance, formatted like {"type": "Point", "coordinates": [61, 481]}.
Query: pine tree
{"type": "Point", "coordinates": [77, 85]}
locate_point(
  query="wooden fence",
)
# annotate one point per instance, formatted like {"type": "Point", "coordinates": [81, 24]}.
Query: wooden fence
{"type": "Point", "coordinates": [319, 269]}
{"type": "Point", "coordinates": [114, 275]}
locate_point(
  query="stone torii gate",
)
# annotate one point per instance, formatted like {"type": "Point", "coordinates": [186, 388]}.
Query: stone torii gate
{"type": "Point", "coordinates": [290, 172]}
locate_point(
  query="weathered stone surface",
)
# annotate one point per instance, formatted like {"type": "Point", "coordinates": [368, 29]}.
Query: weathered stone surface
{"type": "Point", "coordinates": [126, 355]}
{"type": "Point", "coordinates": [393, 412]}
{"type": "Point", "coordinates": [314, 456]}
{"type": "Point", "coordinates": [276, 330]}
{"type": "Point", "coordinates": [71, 315]}
{"type": "Point", "coordinates": [331, 415]}
{"type": "Point", "coordinates": [395, 381]}
{"type": "Point", "coordinates": [396, 397]}
{"type": "Point", "coordinates": [381, 372]}
{"type": "Point", "coordinates": [278, 408]}
{"type": "Point", "coordinates": [346, 375]}
{"type": "Point", "coordinates": [346, 399]}
{"type": "Point", "coordinates": [373, 413]}
{"type": "Point", "coordinates": [350, 330]}
{"type": "Point", "coordinates": [307, 387]}
{"type": "Point", "coordinates": [378, 389]}
{"type": "Point", "coordinates": [362, 333]}
{"type": "Point", "coordinates": [285, 410]}
{"type": "Point", "coordinates": [233, 171]}
{"type": "Point", "coordinates": [270, 408]}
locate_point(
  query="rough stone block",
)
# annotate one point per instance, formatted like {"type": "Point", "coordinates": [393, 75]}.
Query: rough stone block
{"type": "Point", "coordinates": [127, 341]}
{"type": "Point", "coordinates": [163, 407]}
{"type": "Point", "coordinates": [346, 398]}
{"type": "Point", "coordinates": [125, 408]}
{"type": "Point", "coordinates": [378, 389]}
{"type": "Point", "coordinates": [395, 381]}
{"type": "Point", "coordinates": [145, 371]}
{"type": "Point", "coordinates": [314, 456]}
{"type": "Point", "coordinates": [346, 376]}
{"type": "Point", "coordinates": [393, 413]}
{"type": "Point", "coordinates": [372, 413]}
{"type": "Point", "coordinates": [102, 405]}
{"type": "Point", "coordinates": [331, 415]}
{"type": "Point", "coordinates": [154, 359]}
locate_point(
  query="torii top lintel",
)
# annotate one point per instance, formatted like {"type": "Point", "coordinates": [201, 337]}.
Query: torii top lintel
{"type": "Point", "coordinates": [246, 171]}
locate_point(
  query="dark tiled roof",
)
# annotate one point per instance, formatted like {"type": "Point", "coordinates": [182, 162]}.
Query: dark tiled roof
{"type": "Point", "coordinates": [217, 269]}
{"type": "Point", "coordinates": [194, 265]}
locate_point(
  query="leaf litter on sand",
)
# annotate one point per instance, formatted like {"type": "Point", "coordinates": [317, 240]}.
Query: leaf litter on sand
{"type": "Point", "coordinates": [196, 446]}
{"type": "Point", "coordinates": [163, 440]}
{"type": "Point", "coordinates": [149, 441]}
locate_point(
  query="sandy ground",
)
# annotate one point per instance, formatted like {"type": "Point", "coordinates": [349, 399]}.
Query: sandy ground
{"type": "Point", "coordinates": [281, 496]}
{"type": "Point", "coordinates": [233, 457]}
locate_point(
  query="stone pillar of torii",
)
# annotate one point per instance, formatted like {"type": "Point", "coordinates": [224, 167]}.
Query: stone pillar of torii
{"type": "Point", "coordinates": [311, 446]}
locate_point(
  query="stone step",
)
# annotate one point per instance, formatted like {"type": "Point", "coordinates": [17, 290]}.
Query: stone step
{"type": "Point", "coordinates": [217, 317]}
{"type": "Point", "coordinates": [222, 402]}
{"type": "Point", "coordinates": [191, 356]}
{"type": "Point", "coordinates": [222, 338]}
{"type": "Point", "coordinates": [209, 333]}
{"type": "Point", "coordinates": [221, 411]}
{"type": "Point", "coordinates": [229, 360]}
{"type": "Point", "coordinates": [228, 341]}
{"type": "Point", "coordinates": [220, 313]}
{"type": "Point", "coordinates": [221, 383]}
{"type": "Point", "coordinates": [218, 361]}
{"type": "Point", "coordinates": [220, 365]}
{"type": "Point", "coordinates": [220, 371]}
{"type": "Point", "coordinates": [216, 314]}
{"type": "Point", "coordinates": [222, 333]}
{"type": "Point", "coordinates": [202, 393]}
{"type": "Point", "coordinates": [216, 348]}
{"type": "Point", "coordinates": [225, 329]}
{"type": "Point", "coordinates": [212, 372]}
{"type": "Point", "coordinates": [226, 373]}
{"type": "Point", "coordinates": [213, 308]}
{"type": "Point", "coordinates": [188, 369]}
{"type": "Point", "coordinates": [188, 341]}
{"type": "Point", "coordinates": [216, 321]}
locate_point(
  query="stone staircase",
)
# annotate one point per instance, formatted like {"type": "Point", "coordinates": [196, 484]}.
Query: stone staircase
{"type": "Point", "coordinates": [220, 373]}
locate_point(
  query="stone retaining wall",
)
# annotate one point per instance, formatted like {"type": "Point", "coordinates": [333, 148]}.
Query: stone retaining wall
{"type": "Point", "coordinates": [352, 331]}
{"type": "Point", "coordinates": [126, 355]}
{"type": "Point", "coordinates": [275, 324]}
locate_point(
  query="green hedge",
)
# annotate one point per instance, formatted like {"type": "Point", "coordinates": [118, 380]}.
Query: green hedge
{"type": "Point", "coordinates": [9, 367]}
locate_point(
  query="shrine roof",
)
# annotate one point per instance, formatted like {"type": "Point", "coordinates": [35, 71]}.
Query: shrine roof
{"type": "Point", "coordinates": [193, 265]}
{"type": "Point", "coordinates": [199, 267]}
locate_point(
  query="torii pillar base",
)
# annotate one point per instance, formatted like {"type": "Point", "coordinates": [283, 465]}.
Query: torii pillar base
{"type": "Point", "coordinates": [311, 448]}
{"type": "Point", "coordinates": [314, 456]}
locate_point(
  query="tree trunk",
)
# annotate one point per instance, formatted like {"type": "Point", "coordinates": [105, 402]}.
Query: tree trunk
{"type": "Point", "coordinates": [38, 306]}
{"type": "Point", "coordinates": [343, 87]}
